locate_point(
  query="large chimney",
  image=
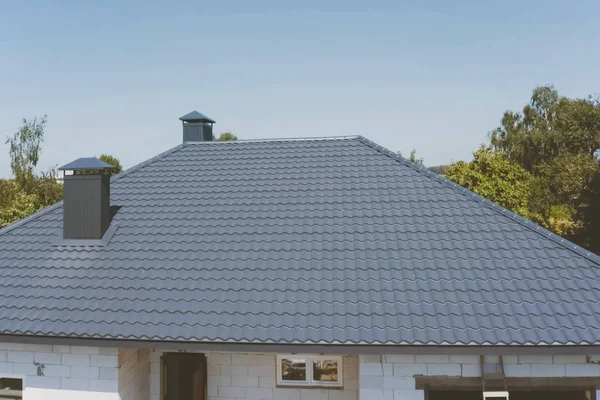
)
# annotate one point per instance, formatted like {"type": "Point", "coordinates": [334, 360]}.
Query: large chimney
{"type": "Point", "coordinates": [197, 127]}
{"type": "Point", "coordinates": [86, 203]}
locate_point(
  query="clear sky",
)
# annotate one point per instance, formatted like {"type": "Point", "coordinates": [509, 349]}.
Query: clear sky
{"type": "Point", "coordinates": [436, 76]}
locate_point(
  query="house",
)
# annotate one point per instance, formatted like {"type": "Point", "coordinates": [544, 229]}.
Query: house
{"type": "Point", "coordinates": [328, 269]}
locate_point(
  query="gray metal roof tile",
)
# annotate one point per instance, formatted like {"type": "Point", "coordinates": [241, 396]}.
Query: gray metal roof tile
{"type": "Point", "coordinates": [90, 163]}
{"type": "Point", "coordinates": [313, 241]}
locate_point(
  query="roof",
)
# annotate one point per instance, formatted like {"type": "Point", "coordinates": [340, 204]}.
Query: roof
{"type": "Point", "coordinates": [86, 163]}
{"type": "Point", "coordinates": [195, 116]}
{"type": "Point", "coordinates": [299, 241]}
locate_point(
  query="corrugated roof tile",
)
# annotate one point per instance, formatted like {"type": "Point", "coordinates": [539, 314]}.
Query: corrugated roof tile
{"type": "Point", "coordinates": [310, 241]}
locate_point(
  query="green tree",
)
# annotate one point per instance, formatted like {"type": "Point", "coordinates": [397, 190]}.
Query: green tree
{"type": "Point", "coordinates": [227, 136]}
{"type": "Point", "coordinates": [14, 203]}
{"type": "Point", "coordinates": [413, 157]}
{"type": "Point", "coordinates": [107, 158]}
{"type": "Point", "coordinates": [589, 233]}
{"type": "Point", "coordinates": [555, 138]}
{"type": "Point", "coordinates": [27, 191]}
{"type": "Point", "coordinates": [25, 149]}
{"type": "Point", "coordinates": [491, 175]}
{"type": "Point", "coordinates": [549, 126]}
{"type": "Point", "coordinates": [439, 169]}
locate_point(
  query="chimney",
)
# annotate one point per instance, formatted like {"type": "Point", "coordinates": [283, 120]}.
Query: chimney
{"type": "Point", "coordinates": [197, 127]}
{"type": "Point", "coordinates": [86, 203]}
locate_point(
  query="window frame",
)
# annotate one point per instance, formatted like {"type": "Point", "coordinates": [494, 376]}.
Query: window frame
{"type": "Point", "coordinates": [309, 382]}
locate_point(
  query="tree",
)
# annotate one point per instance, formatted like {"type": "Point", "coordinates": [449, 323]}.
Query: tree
{"type": "Point", "coordinates": [27, 191]}
{"type": "Point", "coordinates": [107, 158]}
{"type": "Point", "coordinates": [549, 126]}
{"type": "Point", "coordinates": [227, 136]}
{"type": "Point", "coordinates": [14, 203]}
{"type": "Point", "coordinates": [589, 234]}
{"type": "Point", "coordinates": [556, 139]}
{"type": "Point", "coordinates": [491, 175]}
{"type": "Point", "coordinates": [414, 159]}
{"type": "Point", "coordinates": [439, 169]}
{"type": "Point", "coordinates": [25, 149]}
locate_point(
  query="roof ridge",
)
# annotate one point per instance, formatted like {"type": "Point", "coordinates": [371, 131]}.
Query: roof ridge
{"type": "Point", "coordinates": [148, 161]}
{"type": "Point", "coordinates": [118, 176]}
{"type": "Point", "coordinates": [282, 139]}
{"type": "Point", "coordinates": [489, 204]}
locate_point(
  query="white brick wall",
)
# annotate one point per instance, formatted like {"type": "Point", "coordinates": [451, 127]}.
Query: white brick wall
{"type": "Point", "coordinates": [391, 377]}
{"type": "Point", "coordinates": [95, 373]}
{"type": "Point", "coordinates": [61, 372]}
{"type": "Point", "coordinates": [252, 376]}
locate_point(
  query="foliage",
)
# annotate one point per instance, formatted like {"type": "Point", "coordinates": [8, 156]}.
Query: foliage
{"type": "Point", "coordinates": [414, 159]}
{"type": "Point", "coordinates": [227, 136]}
{"type": "Point", "coordinates": [439, 169]}
{"type": "Point", "coordinates": [14, 203]}
{"type": "Point", "coordinates": [27, 192]}
{"type": "Point", "coordinates": [589, 234]}
{"type": "Point", "coordinates": [492, 176]}
{"type": "Point", "coordinates": [548, 127]}
{"type": "Point", "coordinates": [107, 158]}
{"type": "Point", "coordinates": [556, 140]}
{"type": "Point", "coordinates": [25, 149]}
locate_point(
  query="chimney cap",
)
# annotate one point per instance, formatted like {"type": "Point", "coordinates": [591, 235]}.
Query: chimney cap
{"type": "Point", "coordinates": [86, 163]}
{"type": "Point", "coordinates": [195, 116]}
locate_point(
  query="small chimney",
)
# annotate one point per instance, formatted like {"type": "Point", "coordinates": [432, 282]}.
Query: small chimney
{"type": "Point", "coordinates": [197, 127]}
{"type": "Point", "coordinates": [86, 203]}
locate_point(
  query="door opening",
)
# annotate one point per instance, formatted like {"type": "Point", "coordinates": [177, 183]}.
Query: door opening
{"type": "Point", "coordinates": [183, 376]}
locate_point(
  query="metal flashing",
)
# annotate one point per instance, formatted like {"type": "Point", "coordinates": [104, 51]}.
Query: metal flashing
{"type": "Point", "coordinates": [105, 241]}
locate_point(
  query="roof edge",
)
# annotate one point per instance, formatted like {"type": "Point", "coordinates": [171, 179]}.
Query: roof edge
{"type": "Point", "coordinates": [54, 206]}
{"type": "Point", "coordinates": [331, 348]}
{"type": "Point", "coordinates": [489, 204]}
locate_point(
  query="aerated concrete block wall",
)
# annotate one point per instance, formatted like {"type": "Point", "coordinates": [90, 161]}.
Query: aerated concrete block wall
{"type": "Point", "coordinates": [61, 372]}
{"type": "Point", "coordinates": [235, 376]}
{"type": "Point", "coordinates": [134, 374]}
{"type": "Point", "coordinates": [391, 377]}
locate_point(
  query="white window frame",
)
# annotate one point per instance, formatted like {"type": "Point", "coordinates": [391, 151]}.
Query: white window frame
{"type": "Point", "coordinates": [309, 382]}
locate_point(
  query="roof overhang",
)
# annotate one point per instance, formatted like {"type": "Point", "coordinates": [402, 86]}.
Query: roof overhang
{"type": "Point", "coordinates": [310, 348]}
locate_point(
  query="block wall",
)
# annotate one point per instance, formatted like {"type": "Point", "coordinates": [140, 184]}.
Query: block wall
{"type": "Point", "coordinates": [234, 376]}
{"type": "Point", "coordinates": [62, 372]}
{"type": "Point", "coordinates": [391, 377]}
{"type": "Point", "coordinates": [134, 374]}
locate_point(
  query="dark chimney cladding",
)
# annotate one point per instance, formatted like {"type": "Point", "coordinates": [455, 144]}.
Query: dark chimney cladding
{"type": "Point", "coordinates": [197, 127]}
{"type": "Point", "coordinates": [86, 203]}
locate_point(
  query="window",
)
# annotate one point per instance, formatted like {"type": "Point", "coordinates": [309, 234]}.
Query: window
{"type": "Point", "coordinates": [307, 370]}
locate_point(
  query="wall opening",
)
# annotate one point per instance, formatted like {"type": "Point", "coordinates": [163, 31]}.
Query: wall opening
{"type": "Point", "coordinates": [11, 389]}
{"type": "Point", "coordinates": [183, 377]}
{"type": "Point", "coordinates": [534, 394]}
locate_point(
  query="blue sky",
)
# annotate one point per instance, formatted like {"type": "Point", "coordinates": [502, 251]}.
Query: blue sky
{"type": "Point", "coordinates": [436, 76]}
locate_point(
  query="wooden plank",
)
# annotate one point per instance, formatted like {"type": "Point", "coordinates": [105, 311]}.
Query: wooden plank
{"type": "Point", "coordinates": [521, 384]}
{"type": "Point", "coordinates": [10, 394]}
{"type": "Point", "coordinates": [162, 378]}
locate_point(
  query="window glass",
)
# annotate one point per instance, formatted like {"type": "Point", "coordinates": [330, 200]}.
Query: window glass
{"type": "Point", "coordinates": [293, 369]}
{"type": "Point", "coordinates": [325, 370]}
{"type": "Point", "coordinates": [309, 370]}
